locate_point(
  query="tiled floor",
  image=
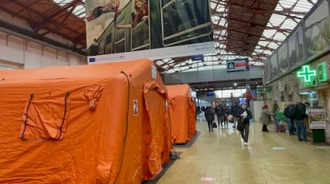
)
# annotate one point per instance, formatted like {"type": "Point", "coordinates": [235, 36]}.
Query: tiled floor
{"type": "Point", "coordinates": [220, 157]}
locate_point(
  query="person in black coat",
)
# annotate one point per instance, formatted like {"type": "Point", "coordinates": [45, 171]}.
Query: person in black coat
{"type": "Point", "coordinates": [209, 115]}
{"type": "Point", "coordinates": [226, 113]}
{"type": "Point", "coordinates": [244, 123]}
{"type": "Point", "coordinates": [220, 114]}
{"type": "Point", "coordinates": [235, 112]}
{"type": "Point", "coordinates": [299, 116]}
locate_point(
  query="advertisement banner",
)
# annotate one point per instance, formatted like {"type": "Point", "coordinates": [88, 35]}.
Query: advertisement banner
{"type": "Point", "coordinates": [296, 47]}
{"type": "Point", "coordinates": [238, 65]}
{"type": "Point", "coordinates": [283, 58]}
{"type": "Point", "coordinates": [274, 66]}
{"type": "Point", "coordinates": [317, 30]}
{"type": "Point", "coordinates": [317, 119]}
{"type": "Point", "coordinates": [131, 29]}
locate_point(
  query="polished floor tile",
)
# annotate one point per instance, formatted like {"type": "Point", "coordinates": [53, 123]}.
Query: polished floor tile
{"type": "Point", "coordinates": [220, 157]}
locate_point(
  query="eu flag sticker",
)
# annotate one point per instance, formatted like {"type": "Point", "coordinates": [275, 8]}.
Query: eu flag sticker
{"type": "Point", "coordinates": [92, 60]}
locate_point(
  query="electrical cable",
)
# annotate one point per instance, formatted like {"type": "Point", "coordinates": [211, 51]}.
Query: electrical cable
{"type": "Point", "coordinates": [127, 115]}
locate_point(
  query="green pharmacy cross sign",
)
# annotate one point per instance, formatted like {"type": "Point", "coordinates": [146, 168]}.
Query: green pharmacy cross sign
{"type": "Point", "coordinates": [307, 74]}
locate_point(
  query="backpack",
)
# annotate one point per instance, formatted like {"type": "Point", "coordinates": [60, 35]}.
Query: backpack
{"type": "Point", "coordinates": [290, 111]}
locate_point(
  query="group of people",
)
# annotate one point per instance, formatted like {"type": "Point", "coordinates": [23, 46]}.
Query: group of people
{"type": "Point", "coordinates": [295, 115]}
{"type": "Point", "coordinates": [239, 115]}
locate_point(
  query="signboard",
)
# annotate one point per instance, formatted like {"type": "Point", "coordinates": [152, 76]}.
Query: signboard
{"type": "Point", "coordinates": [197, 58]}
{"type": "Point", "coordinates": [120, 30]}
{"type": "Point", "coordinates": [317, 29]}
{"type": "Point", "coordinates": [238, 65]}
{"type": "Point", "coordinates": [317, 119]}
{"type": "Point", "coordinates": [264, 89]}
{"type": "Point", "coordinates": [308, 76]}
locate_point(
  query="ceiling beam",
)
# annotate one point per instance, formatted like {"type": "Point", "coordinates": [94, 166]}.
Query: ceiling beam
{"type": "Point", "coordinates": [47, 19]}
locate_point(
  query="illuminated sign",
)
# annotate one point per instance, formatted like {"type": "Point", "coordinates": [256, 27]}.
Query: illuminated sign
{"type": "Point", "coordinates": [322, 72]}
{"type": "Point", "coordinates": [307, 74]}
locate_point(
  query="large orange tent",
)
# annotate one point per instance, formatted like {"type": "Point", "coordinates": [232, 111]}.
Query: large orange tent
{"type": "Point", "coordinates": [182, 113]}
{"type": "Point", "coordinates": [103, 123]}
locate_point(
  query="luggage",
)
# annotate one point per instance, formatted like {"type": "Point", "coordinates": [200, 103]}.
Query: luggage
{"type": "Point", "coordinates": [214, 125]}
{"type": "Point", "coordinates": [281, 128]}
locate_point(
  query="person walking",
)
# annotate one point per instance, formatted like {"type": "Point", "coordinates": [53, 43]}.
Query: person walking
{"type": "Point", "coordinates": [275, 110]}
{"type": "Point", "coordinates": [265, 118]}
{"type": "Point", "coordinates": [234, 112]}
{"type": "Point", "coordinates": [244, 123]}
{"type": "Point", "coordinates": [226, 113]}
{"type": "Point", "coordinates": [209, 115]}
{"type": "Point", "coordinates": [219, 112]}
{"type": "Point", "coordinates": [300, 114]}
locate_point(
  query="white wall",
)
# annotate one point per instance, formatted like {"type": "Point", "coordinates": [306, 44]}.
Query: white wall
{"type": "Point", "coordinates": [17, 52]}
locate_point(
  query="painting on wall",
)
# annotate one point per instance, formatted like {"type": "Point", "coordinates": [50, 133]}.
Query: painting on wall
{"type": "Point", "coordinates": [317, 32]}
{"type": "Point", "coordinates": [274, 66]}
{"type": "Point", "coordinates": [296, 47]}
{"type": "Point", "coordinates": [283, 58]}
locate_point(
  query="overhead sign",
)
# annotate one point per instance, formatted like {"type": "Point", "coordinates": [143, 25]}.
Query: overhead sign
{"type": "Point", "coordinates": [197, 58]}
{"type": "Point", "coordinates": [238, 65]}
{"type": "Point", "coordinates": [264, 89]}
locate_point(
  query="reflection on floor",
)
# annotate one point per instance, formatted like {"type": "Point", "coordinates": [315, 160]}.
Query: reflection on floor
{"type": "Point", "coordinates": [220, 157]}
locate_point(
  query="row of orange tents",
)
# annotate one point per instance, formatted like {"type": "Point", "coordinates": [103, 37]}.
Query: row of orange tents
{"type": "Point", "coordinates": [106, 123]}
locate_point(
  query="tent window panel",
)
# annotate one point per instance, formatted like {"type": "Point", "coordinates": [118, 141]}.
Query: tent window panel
{"type": "Point", "coordinates": [45, 119]}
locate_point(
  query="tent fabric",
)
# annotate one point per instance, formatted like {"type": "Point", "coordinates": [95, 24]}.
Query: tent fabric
{"type": "Point", "coordinates": [182, 113]}
{"type": "Point", "coordinates": [104, 123]}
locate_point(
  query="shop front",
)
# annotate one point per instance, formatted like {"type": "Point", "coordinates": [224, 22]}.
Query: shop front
{"type": "Point", "coordinates": [299, 71]}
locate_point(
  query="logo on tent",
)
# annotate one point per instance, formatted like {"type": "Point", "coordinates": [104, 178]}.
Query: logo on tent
{"type": "Point", "coordinates": [135, 107]}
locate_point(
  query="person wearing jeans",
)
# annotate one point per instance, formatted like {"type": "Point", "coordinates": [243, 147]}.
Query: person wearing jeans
{"type": "Point", "coordinates": [299, 116]}
{"type": "Point", "coordinates": [301, 130]}
{"type": "Point", "coordinates": [290, 124]}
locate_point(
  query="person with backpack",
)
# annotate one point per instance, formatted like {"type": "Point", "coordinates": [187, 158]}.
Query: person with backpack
{"type": "Point", "coordinates": [288, 113]}
{"type": "Point", "coordinates": [209, 115]}
{"type": "Point", "coordinates": [265, 118]}
{"type": "Point", "coordinates": [244, 123]}
{"type": "Point", "coordinates": [300, 114]}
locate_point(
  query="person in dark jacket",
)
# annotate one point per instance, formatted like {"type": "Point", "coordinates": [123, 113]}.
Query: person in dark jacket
{"type": "Point", "coordinates": [234, 112]}
{"type": "Point", "coordinates": [245, 116]}
{"type": "Point", "coordinates": [226, 113]}
{"type": "Point", "coordinates": [299, 116]}
{"type": "Point", "coordinates": [209, 115]}
{"type": "Point", "coordinates": [220, 114]}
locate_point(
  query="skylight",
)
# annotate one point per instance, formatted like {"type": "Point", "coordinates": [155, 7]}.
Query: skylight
{"type": "Point", "coordinates": [79, 10]}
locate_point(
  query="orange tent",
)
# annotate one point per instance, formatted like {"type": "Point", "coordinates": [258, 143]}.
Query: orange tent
{"type": "Point", "coordinates": [182, 113]}
{"type": "Point", "coordinates": [103, 123]}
